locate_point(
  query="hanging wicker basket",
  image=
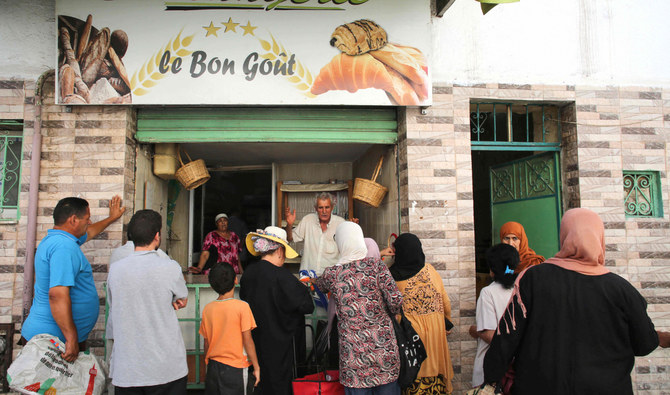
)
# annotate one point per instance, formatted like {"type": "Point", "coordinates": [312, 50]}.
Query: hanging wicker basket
{"type": "Point", "coordinates": [192, 174]}
{"type": "Point", "coordinates": [368, 191]}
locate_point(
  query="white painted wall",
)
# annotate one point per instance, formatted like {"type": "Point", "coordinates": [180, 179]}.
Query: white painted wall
{"type": "Point", "coordinates": [27, 38]}
{"type": "Point", "coordinates": [592, 42]}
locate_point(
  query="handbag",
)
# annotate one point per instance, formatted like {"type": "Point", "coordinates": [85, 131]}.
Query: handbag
{"type": "Point", "coordinates": [322, 383]}
{"type": "Point", "coordinates": [411, 350]}
{"type": "Point", "coordinates": [39, 369]}
{"type": "Point", "coordinates": [448, 325]}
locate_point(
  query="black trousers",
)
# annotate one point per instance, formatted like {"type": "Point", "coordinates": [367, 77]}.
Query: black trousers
{"type": "Point", "coordinates": [177, 387]}
{"type": "Point", "coordinates": [223, 379]}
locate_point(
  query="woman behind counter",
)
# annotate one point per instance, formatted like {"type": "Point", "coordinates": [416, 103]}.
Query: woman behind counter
{"type": "Point", "coordinates": [222, 245]}
{"type": "Point", "coordinates": [426, 305]}
{"type": "Point", "coordinates": [365, 294]}
{"type": "Point", "coordinates": [514, 234]}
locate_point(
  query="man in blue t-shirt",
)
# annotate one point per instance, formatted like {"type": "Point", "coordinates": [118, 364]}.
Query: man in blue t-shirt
{"type": "Point", "coordinates": [65, 302]}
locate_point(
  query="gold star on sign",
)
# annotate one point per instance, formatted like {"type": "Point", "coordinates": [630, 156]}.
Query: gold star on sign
{"type": "Point", "coordinates": [211, 30]}
{"type": "Point", "coordinates": [248, 29]}
{"type": "Point", "coordinates": [230, 25]}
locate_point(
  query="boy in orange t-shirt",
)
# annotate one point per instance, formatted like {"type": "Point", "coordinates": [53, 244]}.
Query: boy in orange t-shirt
{"type": "Point", "coordinates": [226, 327]}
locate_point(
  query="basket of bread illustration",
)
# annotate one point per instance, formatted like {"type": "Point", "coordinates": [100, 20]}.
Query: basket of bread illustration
{"type": "Point", "coordinates": [192, 174]}
{"type": "Point", "coordinates": [368, 60]}
{"type": "Point", "coordinates": [369, 191]}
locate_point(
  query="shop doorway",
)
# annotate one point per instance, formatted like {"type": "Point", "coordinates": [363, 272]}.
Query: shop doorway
{"type": "Point", "coordinates": [516, 175]}
{"type": "Point", "coordinates": [244, 194]}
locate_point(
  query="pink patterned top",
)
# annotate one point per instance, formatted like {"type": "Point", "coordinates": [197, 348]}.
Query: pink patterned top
{"type": "Point", "coordinates": [229, 250]}
{"type": "Point", "coordinates": [365, 293]}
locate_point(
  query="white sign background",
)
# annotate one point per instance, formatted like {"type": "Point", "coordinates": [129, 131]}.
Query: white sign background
{"type": "Point", "coordinates": [235, 34]}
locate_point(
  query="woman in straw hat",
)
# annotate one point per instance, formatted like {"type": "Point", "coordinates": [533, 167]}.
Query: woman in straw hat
{"type": "Point", "coordinates": [279, 302]}
{"type": "Point", "coordinates": [364, 293]}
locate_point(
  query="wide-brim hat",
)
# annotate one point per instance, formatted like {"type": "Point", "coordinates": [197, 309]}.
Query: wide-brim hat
{"type": "Point", "coordinates": [273, 233]}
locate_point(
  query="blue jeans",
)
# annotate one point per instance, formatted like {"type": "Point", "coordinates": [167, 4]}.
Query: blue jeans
{"type": "Point", "coordinates": [386, 389]}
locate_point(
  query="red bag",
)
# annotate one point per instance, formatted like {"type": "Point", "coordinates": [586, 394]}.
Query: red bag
{"type": "Point", "coordinates": [323, 383]}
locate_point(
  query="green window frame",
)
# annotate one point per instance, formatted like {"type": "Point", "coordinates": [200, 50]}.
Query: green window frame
{"type": "Point", "coordinates": [642, 194]}
{"type": "Point", "coordinates": [515, 126]}
{"type": "Point", "coordinates": [11, 156]}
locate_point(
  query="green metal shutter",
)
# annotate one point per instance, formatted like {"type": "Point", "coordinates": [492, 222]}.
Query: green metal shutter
{"type": "Point", "coordinates": [268, 124]}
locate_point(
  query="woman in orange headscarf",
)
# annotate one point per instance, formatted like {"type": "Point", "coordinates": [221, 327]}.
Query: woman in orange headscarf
{"type": "Point", "coordinates": [512, 233]}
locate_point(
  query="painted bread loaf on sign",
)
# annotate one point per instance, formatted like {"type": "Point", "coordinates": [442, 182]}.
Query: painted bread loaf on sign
{"type": "Point", "coordinates": [358, 37]}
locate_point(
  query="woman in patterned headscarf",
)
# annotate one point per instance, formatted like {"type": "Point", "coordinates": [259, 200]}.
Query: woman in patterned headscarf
{"type": "Point", "coordinates": [512, 233]}
{"type": "Point", "coordinates": [364, 293]}
{"type": "Point", "coordinates": [426, 305]}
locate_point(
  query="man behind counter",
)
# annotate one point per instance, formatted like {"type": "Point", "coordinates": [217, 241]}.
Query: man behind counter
{"type": "Point", "coordinates": [317, 230]}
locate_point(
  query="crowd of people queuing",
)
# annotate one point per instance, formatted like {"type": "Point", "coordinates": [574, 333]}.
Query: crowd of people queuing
{"type": "Point", "coordinates": [565, 325]}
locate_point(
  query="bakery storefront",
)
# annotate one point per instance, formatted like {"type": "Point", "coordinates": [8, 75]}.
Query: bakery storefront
{"type": "Point", "coordinates": [279, 99]}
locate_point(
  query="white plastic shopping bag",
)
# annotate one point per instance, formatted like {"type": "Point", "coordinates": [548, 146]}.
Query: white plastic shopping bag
{"type": "Point", "coordinates": [40, 369]}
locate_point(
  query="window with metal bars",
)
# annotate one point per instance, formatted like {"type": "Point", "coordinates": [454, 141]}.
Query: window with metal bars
{"type": "Point", "coordinates": [11, 149]}
{"type": "Point", "coordinates": [533, 127]}
{"type": "Point", "coordinates": [642, 194]}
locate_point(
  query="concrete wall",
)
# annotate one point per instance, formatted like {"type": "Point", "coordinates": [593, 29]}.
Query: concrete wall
{"type": "Point", "coordinates": [554, 42]}
{"type": "Point", "coordinates": [539, 41]}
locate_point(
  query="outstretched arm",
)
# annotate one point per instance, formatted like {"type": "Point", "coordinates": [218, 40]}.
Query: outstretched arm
{"type": "Point", "coordinates": [663, 339]}
{"type": "Point", "coordinates": [115, 212]}
{"type": "Point", "coordinates": [290, 220]}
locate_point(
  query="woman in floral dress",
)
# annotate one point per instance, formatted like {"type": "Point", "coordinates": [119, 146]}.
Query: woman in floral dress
{"type": "Point", "coordinates": [220, 245]}
{"type": "Point", "coordinates": [365, 293]}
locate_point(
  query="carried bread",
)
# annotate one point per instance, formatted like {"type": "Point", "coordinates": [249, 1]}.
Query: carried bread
{"type": "Point", "coordinates": [368, 60]}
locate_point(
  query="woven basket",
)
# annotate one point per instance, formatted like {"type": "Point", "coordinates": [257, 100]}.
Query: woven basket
{"type": "Point", "coordinates": [192, 174]}
{"type": "Point", "coordinates": [368, 191]}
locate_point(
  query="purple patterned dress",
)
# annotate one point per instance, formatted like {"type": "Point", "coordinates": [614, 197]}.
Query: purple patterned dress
{"type": "Point", "coordinates": [364, 292]}
{"type": "Point", "coordinates": [229, 250]}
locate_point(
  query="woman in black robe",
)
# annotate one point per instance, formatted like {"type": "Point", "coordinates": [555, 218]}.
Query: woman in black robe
{"type": "Point", "coordinates": [279, 302]}
{"type": "Point", "coordinates": [572, 326]}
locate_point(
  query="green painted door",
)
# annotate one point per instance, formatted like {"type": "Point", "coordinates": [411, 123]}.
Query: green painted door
{"type": "Point", "coordinates": [528, 191]}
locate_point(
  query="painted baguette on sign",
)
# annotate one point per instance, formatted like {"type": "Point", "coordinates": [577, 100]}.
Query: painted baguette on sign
{"type": "Point", "coordinates": [368, 60]}
{"type": "Point", "coordinates": [90, 67]}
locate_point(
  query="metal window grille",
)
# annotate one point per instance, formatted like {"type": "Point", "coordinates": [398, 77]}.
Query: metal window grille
{"type": "Point", "coordinates": [642, 197]}
{"type": "Point", "coordinates": [519, 127]}
{"type": "Point", "coordinates": [11, 151]}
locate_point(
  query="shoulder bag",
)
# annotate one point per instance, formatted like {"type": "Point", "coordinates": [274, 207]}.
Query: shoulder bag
{"type": "Point", "coordinates": [411, 350]}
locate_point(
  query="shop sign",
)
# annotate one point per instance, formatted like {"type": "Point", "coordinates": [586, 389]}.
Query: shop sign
{"type": "Point", "coordinates": [229, 52]}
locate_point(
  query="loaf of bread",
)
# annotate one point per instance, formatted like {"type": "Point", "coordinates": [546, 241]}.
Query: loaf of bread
{"type": "Point", "coordinates": [358, 37]}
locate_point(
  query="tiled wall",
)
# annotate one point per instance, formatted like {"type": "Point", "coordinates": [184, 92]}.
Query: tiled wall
{"type": "Point", "coordinates": [86, 152]}
{"type": "Point", "coordinates": [90, 152]}
{"type": "Point", "coordinates": [604, 131]}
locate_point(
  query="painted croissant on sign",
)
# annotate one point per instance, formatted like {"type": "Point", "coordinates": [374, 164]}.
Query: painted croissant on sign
{"type": "Point", "coordinates": [368, 60]}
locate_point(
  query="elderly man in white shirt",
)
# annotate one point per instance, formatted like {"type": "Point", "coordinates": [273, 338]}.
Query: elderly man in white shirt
{"type": "Point", "coordinates": [317, 231]}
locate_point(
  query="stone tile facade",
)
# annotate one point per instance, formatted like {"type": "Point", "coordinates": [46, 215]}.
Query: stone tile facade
{"type": "Point", "coordinates": [605, 130]}
{"type": "Point", "coordinates": [86, 152]}
{"type": "Point", "coordinates": [90, 152]}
